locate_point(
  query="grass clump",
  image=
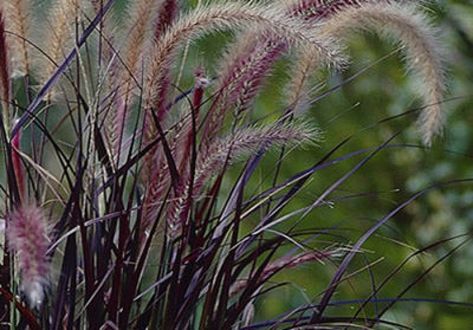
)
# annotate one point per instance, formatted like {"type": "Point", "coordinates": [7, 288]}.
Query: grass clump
{"type": "Point", "coordinates": [121, 207]}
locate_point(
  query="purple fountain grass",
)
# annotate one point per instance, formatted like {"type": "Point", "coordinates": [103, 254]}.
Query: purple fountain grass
{"type": "Point", "coordinates": [60, 70]}
{"type": "Point", "coordinates": [250, 59]}
{"type": "Point", "coordinates": [138, 40]}
{"type": "Point", "coordinates": [155, 229]}
{"type": "Point", "coordinates": [313, 10]}
{"type": "Point", "coordinates": [204, 20]}
{"type": "Point", "coordinates": [188, 133]}
{"type": "Point", "coordinates": [252, 84]}
{"type": "Point", "coordinates": [401, 21]}
{"type": "Point", "coordinates": [215, 18]}
{"type": "Point", "coordinates": [28, 238]}
{"type": "Point", "coordinates": [182, 145]}
{"type": "Point", "coordinates": [58, 39]}
{"type": "Point", "coordinates": [166, 15]}
{"type": "Point", "coordinates": [223, 152]}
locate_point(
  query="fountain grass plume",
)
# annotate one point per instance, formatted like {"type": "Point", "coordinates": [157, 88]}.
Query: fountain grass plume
{"type": "Point", "coordinates": [167, 213]}
{"type": "Point", "coordinates": [408, 25]}
{"type": "Point", "coordinates": [242, 71]}
{"type": "Point", "coordinates": [28, 237]}
{"type": "Point", "coordinates": [138, 39]}
{"type": "Point", "coordinates": [206, 19]}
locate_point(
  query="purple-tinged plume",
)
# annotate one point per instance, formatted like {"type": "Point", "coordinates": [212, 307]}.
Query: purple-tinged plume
{"type": "Point", "coordinates": [244, 68]}
{"type": "Point", "coordinates": [166, 14]}
{"type": "Point", "coordinates": [27, 235]}
{"type": "Point", "coordinates": [311, 10]}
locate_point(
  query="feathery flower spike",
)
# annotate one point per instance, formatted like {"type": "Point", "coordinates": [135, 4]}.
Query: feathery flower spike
{"type": "Point", "coordinates": [224, 16]}
{"type": "Point", "coordinates": [27, 234]}
{"type": "Point", "coordinates": [58, 39]}
{"type": "Point", "coordinates": [314, 11]}
{"type": "Point", "coordinates": [138, 37]}
{"type": "Point", "coordinates": [423, 53]}
{"type": "Point", "coordinates": [166, 15]}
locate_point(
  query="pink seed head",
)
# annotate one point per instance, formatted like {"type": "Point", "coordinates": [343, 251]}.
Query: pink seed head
{"type": "Point", "coordinates": [27, 235]}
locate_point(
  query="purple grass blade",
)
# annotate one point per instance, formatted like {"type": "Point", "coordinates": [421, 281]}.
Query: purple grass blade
{"type": "Point", "coordinates": [232, 200]}
{"type": "Point", "coordinates": [299, 183]}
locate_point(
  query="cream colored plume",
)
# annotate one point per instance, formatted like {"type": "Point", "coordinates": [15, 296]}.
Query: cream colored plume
{"type": "Point", "coordinates": [408, 25]}
{"type": "Point", "coordinates": [138, 39]}
{"type": "Point", "coordinates": [139, 29]}
{"type": "Point", "coordinates": [58, 37]}
{"type": "Point", "coordinates": [18, 23]}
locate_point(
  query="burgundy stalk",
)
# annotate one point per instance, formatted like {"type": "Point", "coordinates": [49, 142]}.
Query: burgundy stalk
{"type": "Point", "coordinates": [4, 84]}
{"type": "Point", "coordinates": [17, 166]}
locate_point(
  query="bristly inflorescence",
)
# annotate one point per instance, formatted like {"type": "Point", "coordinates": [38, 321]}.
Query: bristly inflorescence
{"type": "Point", "coordinates": [18, 22]}
{"type": "Point", "coordinates": [28, 237]}
{"type": "Point", "coordinates": [141, 156]}
{"type": "Point", "coordinates": [139, 37]}
{"type": "Point", "coordinates": [58, 39]}
{"type": "Point", "coordinates": [412, 29]}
